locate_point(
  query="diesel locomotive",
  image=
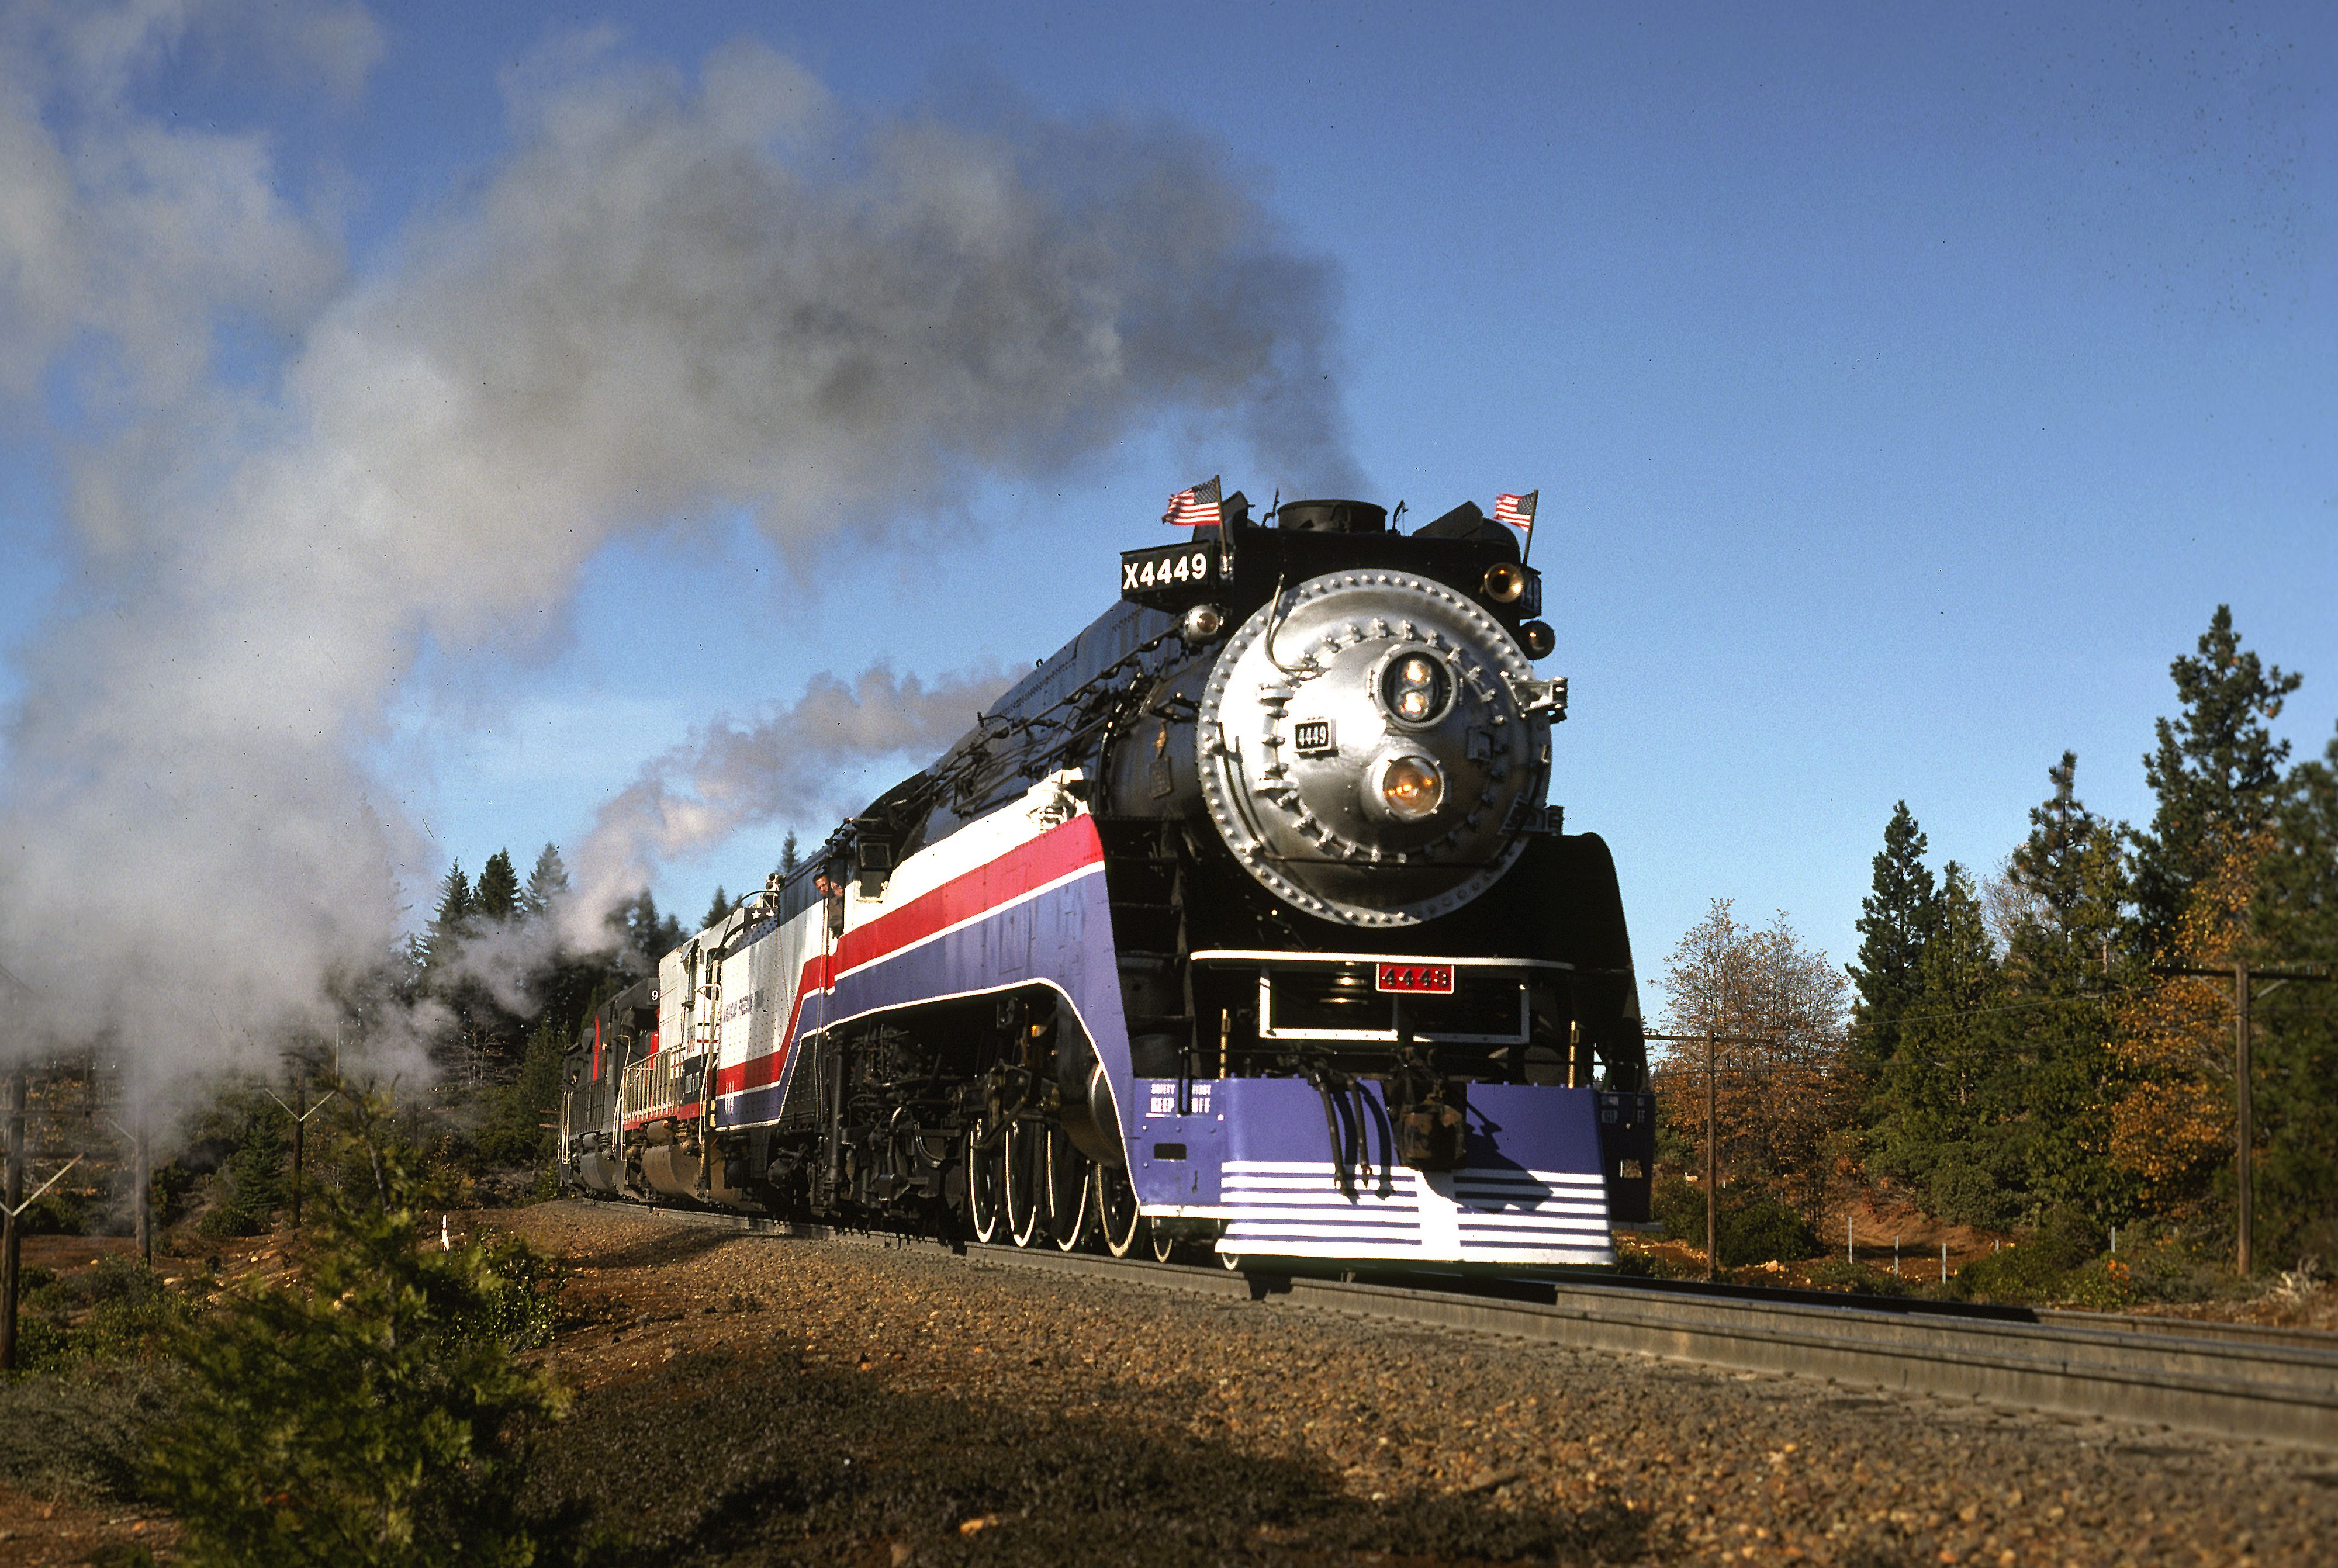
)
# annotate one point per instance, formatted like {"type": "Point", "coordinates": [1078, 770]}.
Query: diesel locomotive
{"type": "Point", "coordinates": [1243, 925]}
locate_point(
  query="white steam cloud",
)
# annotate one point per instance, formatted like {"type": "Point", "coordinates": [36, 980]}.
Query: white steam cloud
{"type": "Point", "coordinates": [675, 295]}
{"type": "Point", "coordinates": [784, 765]}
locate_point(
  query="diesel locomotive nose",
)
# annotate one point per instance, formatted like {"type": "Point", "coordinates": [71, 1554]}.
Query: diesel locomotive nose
{"type": "Point", "coordinates": [1372, 745]}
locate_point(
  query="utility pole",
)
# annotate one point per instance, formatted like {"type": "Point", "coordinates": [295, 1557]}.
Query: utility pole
{"type": "Point", "coordinates": [141, 1176]}
{"type": "Point", "coordinates": [1712, 1167]}
{"type": "Point", "coordinates": [144, 1206]}
{"type": "Point", "coordinates": [2244, 1176]}
{"type": "Point", "coordinates": [2245, 1131]}
{"type": "Point", "coordinates": [12, 1239]}
{"type": "Point", "coordinates": [299, 1111]}
{"type": "Point", "coordinates": [1713, 1041]}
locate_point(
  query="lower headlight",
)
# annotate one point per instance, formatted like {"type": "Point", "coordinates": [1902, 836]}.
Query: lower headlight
{"type": "Point", "coordinates": [1411, 788]}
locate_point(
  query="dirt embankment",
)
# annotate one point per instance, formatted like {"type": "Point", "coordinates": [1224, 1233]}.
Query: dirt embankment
{"type": "Point", "coordinates": [747, 1400]}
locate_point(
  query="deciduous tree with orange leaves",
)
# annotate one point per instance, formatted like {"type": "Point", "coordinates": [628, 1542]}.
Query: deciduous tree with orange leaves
{"type": "Point", "coordinates": [1783, 1090]}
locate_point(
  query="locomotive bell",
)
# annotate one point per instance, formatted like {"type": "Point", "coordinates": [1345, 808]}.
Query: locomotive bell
{"type": "Point", "coordinates": [1371, 742]}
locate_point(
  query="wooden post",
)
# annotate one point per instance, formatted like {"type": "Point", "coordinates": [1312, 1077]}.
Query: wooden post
{"type": "Point", "coordinates": [2244, 1172]}
{"type": "Point", "coordinates": [11, 1239]}
{"type": "Point", "coordinates": [142, 1204]}
{"type": "Point", "coordinates": [299, 1131]}
{"type": "Point", "coordinates": [1711, 1168]}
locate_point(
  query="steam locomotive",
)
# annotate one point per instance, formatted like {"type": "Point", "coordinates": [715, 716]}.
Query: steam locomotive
{"type": "Point", "coordinates": [1241, 924]}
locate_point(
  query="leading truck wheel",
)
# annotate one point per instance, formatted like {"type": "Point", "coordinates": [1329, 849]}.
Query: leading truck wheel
{"type": "Point", "coordinates": [985, 1202]}
{"type": "Point", "coordinates": [1122, 1221]}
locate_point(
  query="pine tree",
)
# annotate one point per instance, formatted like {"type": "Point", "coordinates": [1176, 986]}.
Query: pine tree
{"type": "Point", "coordinates": [2216, 770]}
{"type": "Point", "coordinates": [1948, 1097]}
{"type": "Point", "coordinates": [650, 934]}
{"type": "Point", "coordinates": [2071, 952]}
{"type": "Point", "coordinates": [789, 856]}
{"type": "Point", "coordinates": [452, 922]}
{"type": "Point", "coordinates": [373, 1409]}
{"type": "Point", "coordinates": [513, 1130]}
{"type": "Point", "coordinates": [497, 895]}
{"type": "Point", "coordinates": [717, 911]}
{"type": "Point", "coordinates": [2297, 1052]}
{"type": "Point", "coordinates": [546, 883]}
{"type": "Point", "coordinates": [1896, 921]}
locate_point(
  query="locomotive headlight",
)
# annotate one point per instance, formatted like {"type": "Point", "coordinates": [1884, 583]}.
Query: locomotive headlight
{"type": "Point", "coordinates": [1201, 625]}
{"type": "Point", "coordinates": [1416, 689]}
{"type": "Point", "coordinates": [1410, 787]}
{"type": "Point", "coordinates": [1504, 583]}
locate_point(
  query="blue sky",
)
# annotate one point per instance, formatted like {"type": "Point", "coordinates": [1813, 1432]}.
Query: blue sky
{"type": "Point", "coordinates": [1905, 387]}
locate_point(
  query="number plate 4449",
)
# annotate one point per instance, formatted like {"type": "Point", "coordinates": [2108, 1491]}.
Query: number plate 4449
{"type": "Point", "coordinates": [1147, 572]}
{"type": "Point", "coordinates": [1435, 979]}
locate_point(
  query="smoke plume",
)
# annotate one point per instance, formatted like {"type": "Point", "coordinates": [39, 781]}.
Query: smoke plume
{"type": "Point", "coordinates": [677, 295]}
{"type": "Point", "coordinates": [786, 764]}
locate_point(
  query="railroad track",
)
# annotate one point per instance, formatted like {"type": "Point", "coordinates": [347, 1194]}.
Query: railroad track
{"type": "Point", "coordinates": [2235, 1381]}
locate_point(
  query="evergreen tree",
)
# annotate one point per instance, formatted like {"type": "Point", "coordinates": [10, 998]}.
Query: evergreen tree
{"type": "Point", "coordinates": [514, 1131]}
{"type": "Point", "coordinates": [1949, 1101]}
{"type": "Point", "coordinates": [546, 883]}
{"type": "Point", "coordinates": [251, 1186]}
{"type": "Point", "coordinates": [2297, 918]}
{"type": "Point", "coordinates": [2216, 770]}
{"type": "Point", "coordinates": [1896, 921]}
{"type": "Point", "coordinates": [719, 910]}
{"type": "Point", "coordinates": [2068, 953]}
{"type": "Point", "coordinates": [452, 922]}
{"type": "Point", "coordinates": [648, 933]}
{"type": "Point", "coordinates": [372, 1410]}
{"type": "Point", "coordinates": [497, 895]}
{"type": "Point", "coordinates": [789, 856]}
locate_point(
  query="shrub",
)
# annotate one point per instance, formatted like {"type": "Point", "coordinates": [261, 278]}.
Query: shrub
{"type": "Point", "coordinates": [371, 1414]}
{"type": "Point", "coordinates": [115, 1309]}
{"type": "Point", "coordinates": [61, 1211]}
{"type": "Point", "coordinates": [1755, 1227]}
{"type": "Point", "coordinates": [2068, 1236]}
{"type": "Point", "coordinates": [1763, 1229]}
{"type": "Point", "coordinates": [2103, 1284]}
{"type": "Point", "coordinates": [1967, 1194]}
{"type": "Point", "coordinates": [1860, 1279]}
{"type": "Point", "coordinates": [512, 1131]}
{"type": "Point", "coordinates": [251, 1186]}
{"type": "Point", "coordinates": [2023, 1275]}
{"type": "Point", "coordinates": [1679, 1207]}
{"type": "Point", "coordinates": [81, 1432]}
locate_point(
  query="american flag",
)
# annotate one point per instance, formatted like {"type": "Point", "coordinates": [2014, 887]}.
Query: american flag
{"type": "Point", "coordinates": [1188, 508]}
{"type": "Point", "coordinates": [1517, 509]}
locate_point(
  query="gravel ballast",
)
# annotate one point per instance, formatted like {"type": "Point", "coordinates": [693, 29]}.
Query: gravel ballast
{"type": "Point", "coordinates": [748, 1400]}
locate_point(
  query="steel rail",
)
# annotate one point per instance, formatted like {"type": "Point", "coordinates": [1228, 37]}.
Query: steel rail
{"type": "Point", "coordinates": [2233, 1380]}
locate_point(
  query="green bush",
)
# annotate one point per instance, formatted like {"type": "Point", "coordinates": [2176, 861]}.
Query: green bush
{"type": "Point", "coordinates": [253, 1184]}
{"type": "Point", "coordinates": [512, 1132]}
{"type": "Point", "coordinates": [1764, 1229]}
{"type": "Point", "coordinates": [1679, 1207]}
{"type": "Point", "coordinates": [60, 1212]}
{"type": "Point", "coordinates": [371, 1413]}
{"type": "Point", "coordinates": [2020, 1275]}
{"type": "Point", "coordinates": [2170, 1267]}
{"type": "Point", "coordinates": [83, 1431]}
{"type": "Point", "coordinates": [1755, 1227]}
{"type": "Point", "coordinates": [1967, 1194]}
{"type": "Point", "coordinates": [117, 1308]}
{"type": "Point", "coordinates": [2067, 1236]}
{"type": "Point", "coordinates": [2103, 1284]}
{"type": "Point", "coordinates": [1860, 1279]}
